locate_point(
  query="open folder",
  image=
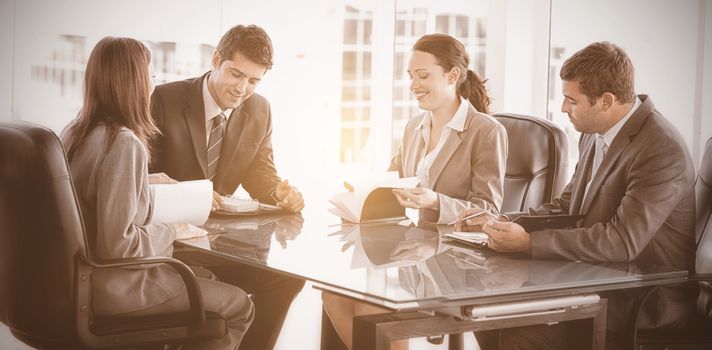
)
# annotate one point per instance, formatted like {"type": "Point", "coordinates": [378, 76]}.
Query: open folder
{"type": "Point", "coordinates": [373, 200]}
{"type": "Point", "coordinates": [186, 201]}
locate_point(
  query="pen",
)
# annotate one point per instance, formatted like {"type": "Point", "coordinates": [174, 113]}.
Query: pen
{"type": "Point", "coordinates": [468, 217]}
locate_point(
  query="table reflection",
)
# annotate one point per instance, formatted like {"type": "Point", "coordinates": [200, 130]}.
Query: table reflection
{"type": "Point", "coordinates": [394, 263]}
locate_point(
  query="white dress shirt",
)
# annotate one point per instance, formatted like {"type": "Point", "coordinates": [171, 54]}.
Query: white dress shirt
{"type": "Point", "coordinates": [607, 139]}
{"type": "Point", "coordinates": [457, 123]}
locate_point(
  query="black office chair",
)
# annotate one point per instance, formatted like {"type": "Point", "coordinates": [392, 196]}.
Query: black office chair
{"type": "Point", "coordinates": [46, 268]}
{"type": "Point", "coordinates": [536, 164]}
{"type": "Point", "coordinates": [698, 334]}
{"type": "Point", "coordinates": [536, 169]}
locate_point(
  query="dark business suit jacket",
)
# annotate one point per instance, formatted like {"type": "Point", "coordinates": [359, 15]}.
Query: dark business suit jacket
{"type": "Point", "coordinates": [181, 150]}
{"type": "Point", "coordinates": [640, 208]}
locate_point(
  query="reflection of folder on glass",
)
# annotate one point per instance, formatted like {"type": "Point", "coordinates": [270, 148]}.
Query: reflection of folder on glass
{"type": "Point", "coordinates": [372, 203]}
{"type": "Point", "coordinates": [542, 222]}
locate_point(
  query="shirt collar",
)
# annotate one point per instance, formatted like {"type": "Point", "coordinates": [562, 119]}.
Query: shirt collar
{"type": "Point", "coordinates": [211, 107]}
{"type": "Point", "coordinates": [457, 122]}
{"type": "Point", "coordinates": [609, 135]}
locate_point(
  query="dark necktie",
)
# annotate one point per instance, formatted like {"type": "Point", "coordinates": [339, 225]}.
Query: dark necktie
{"type": "Point", "coordinates": [600, 151]}
{"type": "Point", "coordinates": [217, 133]}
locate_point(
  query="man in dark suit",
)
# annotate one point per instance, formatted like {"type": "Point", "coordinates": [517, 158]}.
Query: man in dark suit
{"type": "Point", "coordinates": [634, 184]}
{"type": "Point", "coordinates": [215, 127]}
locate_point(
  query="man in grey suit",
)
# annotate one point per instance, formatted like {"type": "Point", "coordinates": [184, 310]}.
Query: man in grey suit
{"type": "Point", "coordinates": [215, 127]}
{"type": "Point", "coordinates": [634, 184]}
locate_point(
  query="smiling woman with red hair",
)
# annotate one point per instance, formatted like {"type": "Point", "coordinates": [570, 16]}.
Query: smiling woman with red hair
{"type": "Point", "coordinates": [457, 151]}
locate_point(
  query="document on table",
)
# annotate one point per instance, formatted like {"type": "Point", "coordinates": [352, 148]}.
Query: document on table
{"type": "Point", "coordinates": [186, 201]}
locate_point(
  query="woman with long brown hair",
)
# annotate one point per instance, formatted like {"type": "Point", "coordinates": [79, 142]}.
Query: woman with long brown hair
{"type": "Point", "coordinates": [107, 148]}
{"type": "Point", "coordinates": [457, 151]}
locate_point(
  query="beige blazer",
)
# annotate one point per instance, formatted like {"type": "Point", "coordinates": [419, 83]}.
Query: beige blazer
{"type": "Point", "coordinates": [469, 170]}
{"type": "Point", "coordinates": [111, 182]}
{"type": "Point", "coordinates": [640, 207]}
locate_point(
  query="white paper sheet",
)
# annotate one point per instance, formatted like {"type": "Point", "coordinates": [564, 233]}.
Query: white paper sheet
{"type": "Point", "coordinates": [187, 201]}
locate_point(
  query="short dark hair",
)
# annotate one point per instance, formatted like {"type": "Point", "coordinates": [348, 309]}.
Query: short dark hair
{"type": "Point", "coordinates": [599, 68]}
{"type": "Point", "coordinates": [251, 41]}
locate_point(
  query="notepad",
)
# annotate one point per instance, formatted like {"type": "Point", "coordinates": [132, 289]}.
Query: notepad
{"type": "Point", "coordinates": [238, 205]}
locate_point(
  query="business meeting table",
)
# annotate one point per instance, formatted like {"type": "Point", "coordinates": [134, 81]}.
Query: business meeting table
{"type": "Point", "coordinates": [433, 286]}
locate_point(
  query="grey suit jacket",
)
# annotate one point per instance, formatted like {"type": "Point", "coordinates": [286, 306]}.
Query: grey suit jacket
{"type": "Point", "coordinates": [469, 170]}
{"type": "Point", "coordinates": [111, 182]}
{"type": "Point", "coordinates": [640, 207]}
{"type": "Point", "coordinates": [181, 151]}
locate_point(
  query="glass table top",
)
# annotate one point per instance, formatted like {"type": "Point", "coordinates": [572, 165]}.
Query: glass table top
{"type": "Point", "coordinates": [402, 265]}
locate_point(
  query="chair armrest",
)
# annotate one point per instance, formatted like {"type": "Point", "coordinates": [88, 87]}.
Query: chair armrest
{"type": "Point", "coordinates": [195, 301]}
{"type": "Point", "coordinates": [638, 309]}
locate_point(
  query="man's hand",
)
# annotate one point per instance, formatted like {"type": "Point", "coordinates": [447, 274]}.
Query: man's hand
{"type": "Point", "coordinates": [217, 201]}
{"type": "Point", "coordinates": [507, 237]}
{"type": "Point", "coordinates": [474, 223]}
{"type": "Point", "coordinates": [160, 178]}
{"type": "Point", "coordinates": [288, 197]}
{"type": "Point", "coordinates": [417, 198]}
{"type": "Point", "coordinates": [288, 228]}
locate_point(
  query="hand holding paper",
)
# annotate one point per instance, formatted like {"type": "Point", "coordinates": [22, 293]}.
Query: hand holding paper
{"type": "Point", "coordinates": [417, 198]}
{"type": "Point", "coordinates": [187, 201]}
{"type": "Point", "coordinates": [372, 199]}
{"type": "Point", "coordinates": [160, 178]}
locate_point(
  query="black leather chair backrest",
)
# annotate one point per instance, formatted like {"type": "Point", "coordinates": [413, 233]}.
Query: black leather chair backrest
{"type": "Point", "coordinates": [536, 163]}
{"type": "Point", "coordinates": [41, 233]}
{"type": "Point", "coordinates": [703, 262]}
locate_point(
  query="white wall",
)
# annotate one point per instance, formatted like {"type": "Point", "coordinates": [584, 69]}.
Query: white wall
{"type": "Point", "coordinates": [7, 22]}
{"type": "Point", "coordinates": [661, 38]}
{"type": "Point", "coordinates": [40, 22]}
{"type": "Point", "coordinates": [519, 39]}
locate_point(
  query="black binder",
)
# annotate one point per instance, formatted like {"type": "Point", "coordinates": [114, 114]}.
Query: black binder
{"type": "Point", "coordinates": [543, 222]}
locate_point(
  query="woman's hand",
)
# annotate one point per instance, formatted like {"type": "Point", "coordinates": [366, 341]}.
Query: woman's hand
{"type": "Point", "coordinates": [160, 178]}
{"type": "Point", "coordinates": [185, 231]}
{"type": "Point", "coordinates": [417, 198]}
{"type": "Point", "coordinates": [414, 250]}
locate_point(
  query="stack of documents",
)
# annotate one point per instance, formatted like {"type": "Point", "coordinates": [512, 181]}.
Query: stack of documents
{"type": "Point", "coordinates": [238, 205]}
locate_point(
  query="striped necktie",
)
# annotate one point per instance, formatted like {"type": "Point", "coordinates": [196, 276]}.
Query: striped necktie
{"type": "Point", "coordinates": [217, 133]}
{"type": "Point", "coordinates": [601, 149]}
